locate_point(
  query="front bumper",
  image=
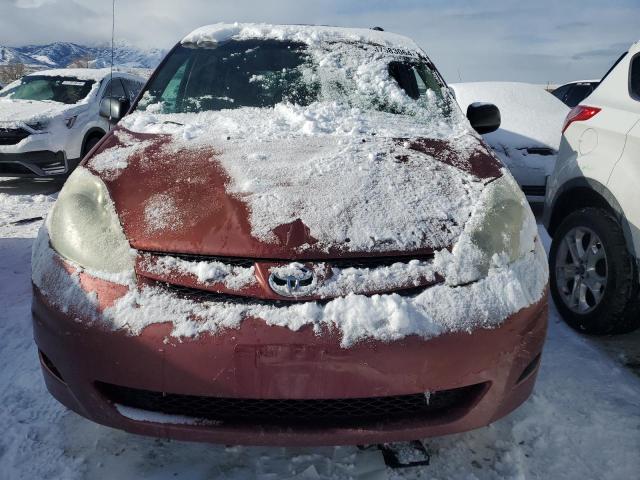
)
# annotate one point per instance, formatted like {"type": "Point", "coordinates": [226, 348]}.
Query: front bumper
{"type": "Point", "coordinates": [264, 363]}
{"type": "Point", "coordinates": [35, 164]}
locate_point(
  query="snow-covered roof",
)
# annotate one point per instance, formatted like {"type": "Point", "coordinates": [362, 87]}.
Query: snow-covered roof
{"type": "Point", "coordinates": [309, 34]}
{"type": "Point", "coordinates": [95, 74]}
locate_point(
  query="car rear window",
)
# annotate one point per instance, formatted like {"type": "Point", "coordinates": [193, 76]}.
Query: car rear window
{"type": "Point", "coordinates": [577, 93]}
{"type": "Point", "coordinates": [561, 92]}
{"type": "Point", "coordinates": [634, 79]}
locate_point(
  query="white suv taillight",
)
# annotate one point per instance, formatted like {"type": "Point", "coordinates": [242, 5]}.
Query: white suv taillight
{"type": "Point", "coordinates": [579, 114]}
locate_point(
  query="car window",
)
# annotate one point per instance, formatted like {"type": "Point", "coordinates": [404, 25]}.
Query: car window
{"type": "Point", "coordinates": [68, 90]}
{"type": "Point", "coordinates": [561, 92]}
{"type": "Point", "coordinates": [132, 87]}
{"type": "Point", "coordinates": [577, 93]}
{"type": "Point", "coordinates": [634, 82]}
{"type": "Point", "coordinates": [115, 89]}
{"type": "Point", "coordinates": [169, 95]}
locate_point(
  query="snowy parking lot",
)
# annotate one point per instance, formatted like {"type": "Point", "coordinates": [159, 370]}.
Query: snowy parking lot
{"type": "Point", "coordinates": [582, 422]}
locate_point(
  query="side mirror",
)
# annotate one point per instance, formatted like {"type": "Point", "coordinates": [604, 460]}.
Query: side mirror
{"type": "Point", "coordinates": [484, 117]}
{"type": "Point", "coordinates": [113, 108]}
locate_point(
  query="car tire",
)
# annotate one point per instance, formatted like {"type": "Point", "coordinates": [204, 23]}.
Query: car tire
{"type": "Point", "coordinates": [585, 302]}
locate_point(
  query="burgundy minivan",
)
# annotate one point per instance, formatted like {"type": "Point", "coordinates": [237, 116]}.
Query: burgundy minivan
{"type": "Point", "coordinates": [293, 237]}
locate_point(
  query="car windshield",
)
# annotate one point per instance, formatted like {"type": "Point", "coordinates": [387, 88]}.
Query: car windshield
{"type": "Point", "coordinates": [263, 73]}
{"type": "Point", "coordinates": [67, 90]}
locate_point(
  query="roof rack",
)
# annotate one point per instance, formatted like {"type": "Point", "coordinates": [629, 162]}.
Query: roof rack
{"type": "Point", "coordinates": [377, 29]}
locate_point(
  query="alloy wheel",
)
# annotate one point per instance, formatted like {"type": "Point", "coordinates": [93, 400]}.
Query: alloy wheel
{"type": "Point", "coordinates": [581, 270]}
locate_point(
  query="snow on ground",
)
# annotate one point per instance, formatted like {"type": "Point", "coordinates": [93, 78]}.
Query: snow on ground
{"type": "Point", "coordinates": [583, 421]}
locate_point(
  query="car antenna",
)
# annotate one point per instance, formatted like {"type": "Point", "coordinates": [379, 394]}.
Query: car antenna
{"type": "Point", "coordinates": [113, 30]}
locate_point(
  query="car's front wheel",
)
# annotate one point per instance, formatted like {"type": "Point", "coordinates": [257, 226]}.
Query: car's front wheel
{"type": "Point", "coordinates": [594, 280]}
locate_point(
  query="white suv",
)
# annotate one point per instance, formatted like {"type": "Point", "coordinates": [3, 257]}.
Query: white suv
{"type": "Point", "coordinates": [50, 119]}
{"type": "Point", "coordinates": [592, 207]}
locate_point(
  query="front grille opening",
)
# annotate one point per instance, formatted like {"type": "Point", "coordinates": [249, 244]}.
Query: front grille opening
{"type": "Point", "coordinates": [54, 168]}
{"type": "Point", "coordinates": [48, 364]}
{"type": "Point", "coordinates": [528, 370]}
{"type": "Point", "coordinates": [200, 295]}
{"type": "Point", "coordinates": [14, 169]}
{"type": "Point", "coordinates": [12, 136]}
{"type": "Point", "coordinates": [342, 263]}
{"type": "Point", "coordinates": [342, 412]}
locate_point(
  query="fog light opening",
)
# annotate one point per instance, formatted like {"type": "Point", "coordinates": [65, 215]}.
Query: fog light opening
{"type": "Point", "coordinates": [529, 369]}
{"type": "Point", "coordinates": [48, 364]}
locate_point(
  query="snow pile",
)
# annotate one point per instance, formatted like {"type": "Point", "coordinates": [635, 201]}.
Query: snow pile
{"type": "Point", "coordinates": [530, 116]}
{"type": "Point", "coordinates": [233, 277]}
{"type": "Point", "coordinates": [158, 417]}
{"type": "Point", "coordinates": [285, 120]}
{"type": "Point", "coordinates": [95, 74]}
{"type": "Point", "coordinates": [343, 281]}
{"type": "Point", "coordinates": [17, 209]}
{"type": "Point", "coordinates": [351, 192]}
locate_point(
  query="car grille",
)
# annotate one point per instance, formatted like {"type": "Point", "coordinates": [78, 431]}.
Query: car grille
{"type": "Point", "coordinates": [360, 262]}
{"type": "Point", "coordinates": [14, 169]}
{"type": "Point", "coordinates": [12, 136]}
{"type": "Point", "coordinates": [285, 412]}
{"type": "Point", "coordinates": [210, 296]}
{"type": "Point", "coordinates": [231, 261]}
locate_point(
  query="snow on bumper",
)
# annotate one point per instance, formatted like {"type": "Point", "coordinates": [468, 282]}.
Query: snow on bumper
{"type": "Point", "coordinates": [441, 309]}
{"type": "Point", "coordinates": [495, 367]}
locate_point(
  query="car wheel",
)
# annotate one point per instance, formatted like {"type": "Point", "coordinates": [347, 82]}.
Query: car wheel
{"type": "Point", "coordinates": [594, 280]}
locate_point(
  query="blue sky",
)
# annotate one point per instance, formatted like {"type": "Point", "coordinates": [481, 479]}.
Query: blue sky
{"type": "Point", "coordinates": [543, 41]}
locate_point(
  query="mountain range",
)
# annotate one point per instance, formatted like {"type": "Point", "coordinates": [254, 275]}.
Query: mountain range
{"type": "Point", "coordinates": [61, 54]}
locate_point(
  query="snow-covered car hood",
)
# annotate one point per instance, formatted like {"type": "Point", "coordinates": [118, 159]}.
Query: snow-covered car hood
{"type": "Point", "coordinates": [296, 196]}
{"type": "Point", "coordinates": [29, 111]}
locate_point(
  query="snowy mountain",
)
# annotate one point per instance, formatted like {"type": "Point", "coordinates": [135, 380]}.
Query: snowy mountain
{"type": "Point", "coordinates": [11, 55]}
{"type": "Point", "coordinates": [61, 54]}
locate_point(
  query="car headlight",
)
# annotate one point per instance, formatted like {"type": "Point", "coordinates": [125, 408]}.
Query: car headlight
{"type": "Point", "coordinates": [84, 226]}
{"type": "Point", "coordinates": [501, 230]}
{"type": "Point", "coordinates": [40, 126]}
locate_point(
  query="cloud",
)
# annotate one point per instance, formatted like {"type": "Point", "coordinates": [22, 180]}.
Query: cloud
{"type": "Point", "coordinates": [612, 51]}
{"type": "Point", "coordinates": [31, 3]}
{"type": "Point", "coordinates": [537, 41]}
